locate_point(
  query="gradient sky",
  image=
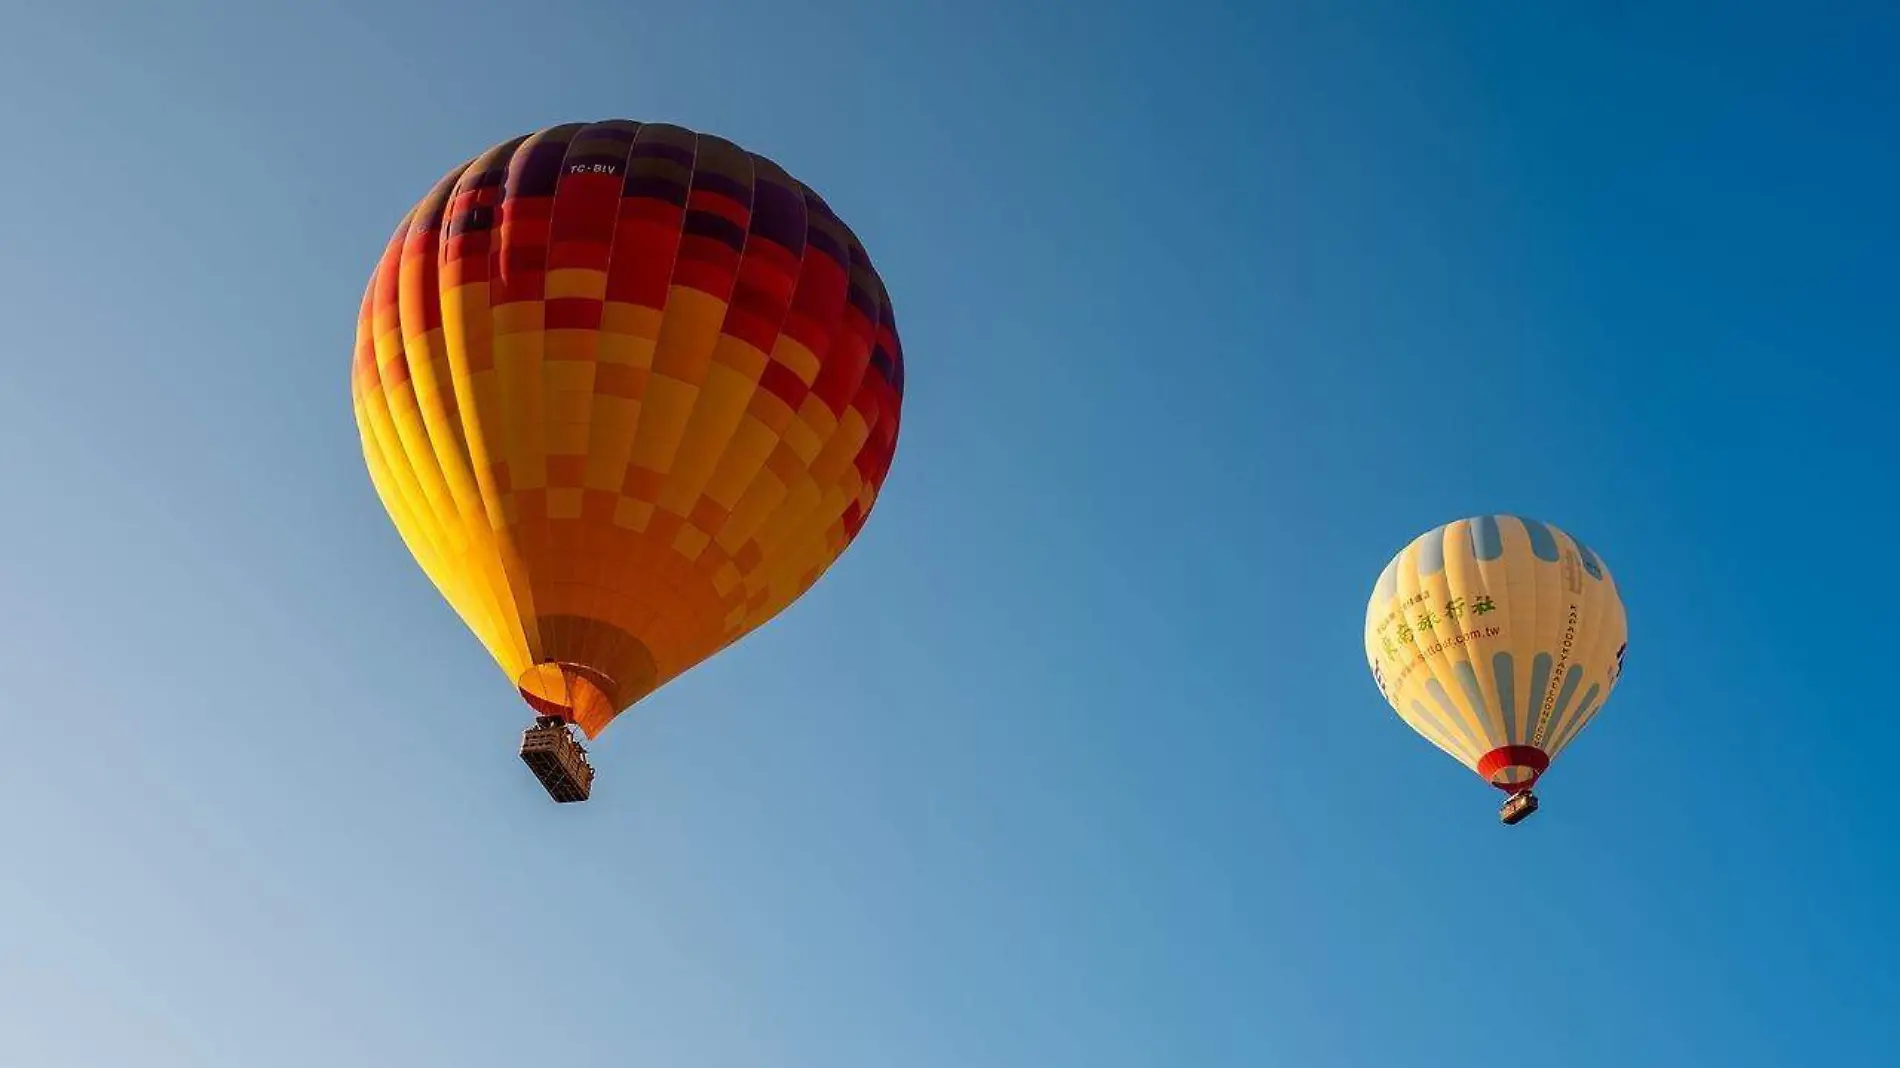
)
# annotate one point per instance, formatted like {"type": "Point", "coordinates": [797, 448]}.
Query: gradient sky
{"type": "Point", "coordinates": [1074, 759]}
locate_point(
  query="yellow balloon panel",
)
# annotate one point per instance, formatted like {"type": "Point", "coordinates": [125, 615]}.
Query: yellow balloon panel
{"type": "Point", "coordinates": [1498, 638]}
{"type": "Point", "coordinates": [627, 391]}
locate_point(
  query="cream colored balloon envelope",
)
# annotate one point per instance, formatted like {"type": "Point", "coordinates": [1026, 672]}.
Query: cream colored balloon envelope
{"type": "Point", "coordinates": [1498, 638]}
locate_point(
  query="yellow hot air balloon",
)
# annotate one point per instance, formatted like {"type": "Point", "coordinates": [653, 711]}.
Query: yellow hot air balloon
{"type": "Point", "coordinates": [1498, 638]}
{"type": "Point", "coordinates": [626, 391]}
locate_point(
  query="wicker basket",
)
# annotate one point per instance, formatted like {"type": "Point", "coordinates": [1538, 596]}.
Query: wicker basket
{"type": "Point", "coordinates": [558, 761]}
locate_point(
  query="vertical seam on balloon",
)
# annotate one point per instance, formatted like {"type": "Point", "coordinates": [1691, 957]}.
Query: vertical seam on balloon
{"type": "Point", "coordinates": [1606, 600]}
{"type": "Point", "coordinates": [554, 543]}
{"type": "Point", "coordinates": [1561, 707]}
{"type": "Point", "coordinates": [667, 661]}
{"type": "Point", "coordinates": [1388, 594]}
{"type": "Point", "coordinates": [372, 408]}
{"type": "Point", "coordinates": [671, 316]}
{"type": "Point", "coordinates": [1439, 666]}
{"type": "Point", "coordinates": [816, 216]}
{"type": "Point", "coordinates": [1426, 722]}
{"type": "Point", "coordinates": [1487, 542]}
{"type": "Point", "coordinates": [431, 506]}
{"type": "Point", "coordinates": [527, 405]}
{"type": "Point", "coordinates": [680, 477]}
{"type": "Point", "coordinates": [391, 497]}
{"type": "Point", "coordinates": [401, 492]}
{"type": "Point", "coordinates": [601, 532]}
{"type": "Point", "coordinates": [1388, 583]}
{"type": "Point", "coordinates": [1543, 670]}
{"type": "Point", "coordinates": [1562, 712]}
{"type": "Point", "coordinates": [1534, 694]}
{"type": "Point", "coordinates": [560, 535]}
{"type": "Point", "coordinates": [1441, 694]}
{"type": "Point", "coordinates": [1547, 569]}
{"type": "Point", "coordinates": [1495, 718]}
{"type": "Point", "coordinates": [512, 589]}
{"type": "Point", "coordinates": [1466, 673]}
{"type": "Point", "coordinates": [1402, 567]}
{"type": "Point", "coordinates": [1431, 552]}
{"type": "Point", "coordinates": [698, 415]}
{"type": "Point", "coordinates": [1542, 538]}
{"type": "Point", "coordinates": [1429, 562]}
{"type": "Point", "coordinates": [1408, 568]}
{"type": "Point", "coordinates": [662, 672]}
{"type": "Point", "coordinates": [486, 402]}
{"type": "Point", "coordinates": [598, 446]}
{"type": "Point", "coordinates": [444, 453]}
{"type": "Point", "coordinates": [586, 649]}
{"type": "Point", "coordinates": [516, 436]}
{"type": "Point", "coordinates": [802, 546]}
{"type": "Point", "coordinates": [794, 528]}
{"type": "Point", "coordinates": [786, 523]}
{"type": "Point", "coordinates": [409, 518]}
{"type": "Point", "coordinates": [1504, 677]}
{"type": "Point", "coordinates": [1596, 606]}
{"type": "Point", "coordinates": [734, 463]}
{"type": "Point", "coordinates": [1583, 716]}
{"type": "Point", "coordinates": [1490, 570]}
{"type": "Point", "coordinates": [776, 513]}
{"type": "Point", "coordinates": [795, 193]}
{"type": "Point", "coordinates": [1584, 711]}
{"type": "Point", "coordinates": [392, 489]}
{"type": "Point", "coordinates": [398, 456]}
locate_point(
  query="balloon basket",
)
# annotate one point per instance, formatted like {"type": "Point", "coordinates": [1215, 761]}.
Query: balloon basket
{"type": "Point", "coordinates": [1517, 808]}
{"type": "Point", "coordinates": [551, 752]}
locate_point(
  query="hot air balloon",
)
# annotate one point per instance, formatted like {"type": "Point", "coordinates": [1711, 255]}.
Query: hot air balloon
{"type": "Point", "coordinates": [1498, 638]}
{"type": "Point", "coordinates": [626, 391]}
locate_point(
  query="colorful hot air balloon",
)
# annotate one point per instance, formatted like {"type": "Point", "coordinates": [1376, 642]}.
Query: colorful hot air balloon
{"type": "Point", "coordinates": [1498, 639]}
{"type": "Point", "coordinates": [626, 391]}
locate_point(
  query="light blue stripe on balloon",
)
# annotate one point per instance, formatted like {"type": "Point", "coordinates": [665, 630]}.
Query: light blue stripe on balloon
{"type": "Point", "coordinates": [1504, 673]}
{"type": "Point", "coordinates": [1543, 542]}
{"type": "Point", "coordinates": [1534, 697]}
{"type": "Point", "coordinates": [1454, 717]}
{"type": "Point", "coordinates": [1433, 727]}
{"type": "Point", "coordinates": [1560, 738]}
{"type": "Point", "coordinates": [1468, 679]}
{"type": "Point", "coordinates": [1564, 695]}
{"type": "Point", "coordinates": [1485, 539]}
{"type": "Point", "coordinates": [1431, 552]}
{"type": "Point", "coordinates": [1591, 564]}
{"type": "Point", "coordinates": [1388, 586]}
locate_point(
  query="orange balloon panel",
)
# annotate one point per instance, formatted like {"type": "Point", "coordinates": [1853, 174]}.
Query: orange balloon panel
{"type": "Point", "coordinates": [626, 391]}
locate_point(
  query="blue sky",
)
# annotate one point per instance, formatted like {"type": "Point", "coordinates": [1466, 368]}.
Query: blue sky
{"type": "Point", "coordinates": [1074, 759]}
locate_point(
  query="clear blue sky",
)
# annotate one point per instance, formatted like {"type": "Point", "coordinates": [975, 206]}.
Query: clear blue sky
{"type": "Point", "coordinates": [1074, 759]}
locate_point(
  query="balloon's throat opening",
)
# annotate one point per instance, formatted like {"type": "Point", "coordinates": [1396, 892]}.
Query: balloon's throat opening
{"type": "Point", "coordinates": [1514, 768]}
{"type": "Point", "coordinates": [569, 693]}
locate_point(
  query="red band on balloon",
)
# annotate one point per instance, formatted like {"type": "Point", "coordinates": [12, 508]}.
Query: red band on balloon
{"type": "Point", "coordinates": [1508, 756]}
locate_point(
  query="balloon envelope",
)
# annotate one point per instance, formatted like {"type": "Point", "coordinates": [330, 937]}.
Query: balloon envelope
{"type": "Point", "coordinates": [1498, 638]}
{"type": "Point", "coordinates": [626, 391]}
